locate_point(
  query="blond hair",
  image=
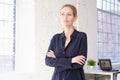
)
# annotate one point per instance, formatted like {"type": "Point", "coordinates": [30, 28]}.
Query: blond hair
{"type": "Point", "coordinates": [72, 7]}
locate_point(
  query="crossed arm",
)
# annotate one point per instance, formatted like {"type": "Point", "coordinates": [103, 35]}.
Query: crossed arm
{"type": "Point", "coordinates": [67, 63]}
{"type": "Point", "coordinates": [80, 59]}
{"type": "Point", "coordinates": [62, 64]}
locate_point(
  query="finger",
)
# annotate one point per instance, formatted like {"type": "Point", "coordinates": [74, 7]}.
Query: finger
{"type": "Point", "coordinates": [49, 54]}
{"type": "Point", "coordinates": [80, 63]}
{"type": "Point", "coordinates": [51, 51]}
{"type": "Point", "coordinates": [82, 56]}
{"type": "Point", "coordinates": [82, 59]}
{"type": "Point", "coordinates": [83, 62]}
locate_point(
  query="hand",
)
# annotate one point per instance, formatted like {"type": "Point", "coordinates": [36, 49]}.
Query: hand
{"type": "Point", "coordinates": [79, 59]}
{"type": "Point", "coordinates": [51, 54]}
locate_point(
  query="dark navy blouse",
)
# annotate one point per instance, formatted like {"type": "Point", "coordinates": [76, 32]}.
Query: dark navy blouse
{"type": "Point", "coordinates": [64, 69]}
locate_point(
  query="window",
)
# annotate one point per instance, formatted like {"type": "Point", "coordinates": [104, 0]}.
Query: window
{"type": "Point", "coordinates": [7, 35]}
{"type": "Point", "coordinates": [108, 29]}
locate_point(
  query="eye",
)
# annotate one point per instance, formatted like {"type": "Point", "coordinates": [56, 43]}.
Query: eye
{"type": "Point", "coordinates": [62, 14]}
{"type": "Point", "coordinates": [69, 14]}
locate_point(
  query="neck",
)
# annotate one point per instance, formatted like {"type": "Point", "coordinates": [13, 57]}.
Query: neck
{"type": "Point", "coordinates": [68, 31]}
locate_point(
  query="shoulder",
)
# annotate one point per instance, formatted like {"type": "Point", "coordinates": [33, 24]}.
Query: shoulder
{"type": "Point", "coordinates": [82, 34]}
{"type": "Point", "coordinates": [58, 35]}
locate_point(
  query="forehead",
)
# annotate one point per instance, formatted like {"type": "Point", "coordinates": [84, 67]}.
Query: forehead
{"type": "Point", "coordinates": [66, 9]}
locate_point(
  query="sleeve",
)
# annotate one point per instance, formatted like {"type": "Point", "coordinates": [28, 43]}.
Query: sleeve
{"type": "Point", "coordinates": [54, 62]}
{"type": "Point", "coordinates": [61, 62]}
{"type": "Point", "coordinates": [82, 51]}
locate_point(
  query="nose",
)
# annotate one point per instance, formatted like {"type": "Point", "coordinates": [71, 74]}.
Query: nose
{"type": "Point", "coordinates": [65, 17]}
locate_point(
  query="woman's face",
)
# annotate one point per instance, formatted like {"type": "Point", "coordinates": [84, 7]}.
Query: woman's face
{"type": "Point", "coordinates": [67, 17]}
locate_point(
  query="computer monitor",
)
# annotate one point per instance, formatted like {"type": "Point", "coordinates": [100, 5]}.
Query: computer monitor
{"type": "Point", "coordinates": [105, 64]}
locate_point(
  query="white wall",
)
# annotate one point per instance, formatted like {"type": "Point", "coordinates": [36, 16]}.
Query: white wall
{"type": "Point", "coordinates": [47, 24]}
{"type": "Point", "coordinates": [87, 22]}
{"type": "Point", "coordinates": [25, 36]}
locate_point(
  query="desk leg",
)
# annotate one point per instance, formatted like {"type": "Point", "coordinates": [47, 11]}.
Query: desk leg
{"type": "Point", "coordinates": [95, 77]}
{"type": "Point", "coordinates": [112, 78]}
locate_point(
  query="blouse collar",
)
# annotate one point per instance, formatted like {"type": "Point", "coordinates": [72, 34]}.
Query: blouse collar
{"type": "Point", "coordinates": [73, 35]}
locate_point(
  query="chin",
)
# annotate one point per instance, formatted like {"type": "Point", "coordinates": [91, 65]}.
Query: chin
{"type": "Point", "coordinates": [66, 24]}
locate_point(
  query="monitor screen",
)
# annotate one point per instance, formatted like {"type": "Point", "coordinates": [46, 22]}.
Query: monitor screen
{"type": "Point", "coordinates": [105, 64]}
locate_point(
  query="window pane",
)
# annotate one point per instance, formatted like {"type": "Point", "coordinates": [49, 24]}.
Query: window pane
{"type": "Point", "coordinates": [1, 10]}
{"type": "Point", "coordinates": [8, 12]}
{"type": "Point", "coordinates": [9, 1]}
{"type": "Point", "coordinates": [99, 16]}
{"type": "Point", "coordinates": [112, 19]}
{"type": "Point", "coordinates": [6, 47]}
{"type": "Point", "coordinates": [116, 20]}
{"type": "Point", "coordinates": [119, 39]}
{"type": "Point", "coordinates": [6, 63]}
{"type": "Point", "coordinates": [100, 37]}
{"type": "Point", "coordinates": [119, 9]}
{"type": "Point", "coordinates": [104, 17]}
{"type": "Point", "coordinates": [119, 34]}
{"type": "Point", "coordinates": [99, 4]}
{"type": "Point", "coordinates": [104, 5]}
{"type": "Point", "coordinates": [105, 38]}
{"type": "Point", "coordinates": [112, 1]}
{"type": "Point", "coordinates": [100, 29]}
{"type": "Point", "coordinates": [108, 6]}
{"type": "Point", "coordinates": [6, 29]}
{"type": "Point", "coordinates": [109, 28]}
{"type": "Point", "coordinates": [105, 47]}
{"type": "Point", "coordinates": [105, 28]}
{"type": "Point", "coordinates": [116, 9]}
{"type": "Point", "coordinates": [108, 1]}
{"type": "Point", "coordinates": [100, 49]}
{"type": "Point", "coordinates": [7, 35]}
{"type": "Point", "coordinates": [1, 0]}
{"type": "Point", "coordinates": [108, 18]}
{"type": "Point", "coordinates": [109, 31]}
{"type": "Point", "coordinates": [119, 20]}
{"type": "Point", "coordinates": [116, 2]}
{"type": "Point", "coordinates": [112, 8]}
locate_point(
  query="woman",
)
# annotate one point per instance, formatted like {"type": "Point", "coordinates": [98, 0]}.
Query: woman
{"type": "Point", "coordinates": [68, 50]}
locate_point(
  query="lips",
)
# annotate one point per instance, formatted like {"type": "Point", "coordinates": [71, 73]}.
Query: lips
{"type": "Point", "coordinates": [66, 21]}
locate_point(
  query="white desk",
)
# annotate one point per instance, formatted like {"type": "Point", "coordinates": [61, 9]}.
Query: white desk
{"type": "Point", "coordinates": [113, 75]}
